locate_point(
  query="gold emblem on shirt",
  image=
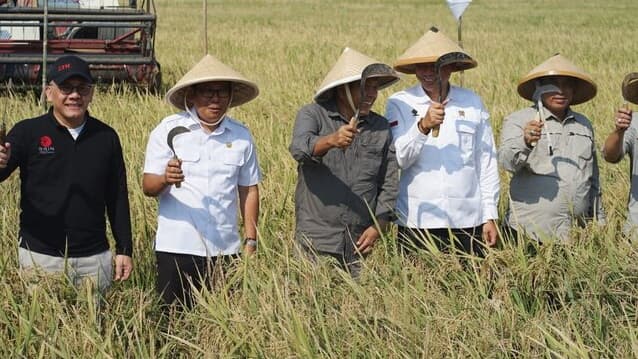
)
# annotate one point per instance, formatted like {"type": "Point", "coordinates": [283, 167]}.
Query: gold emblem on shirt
{"type": "Point", "coordinates": [461, 113]}
{"type": "Point", "coordinates": [229, 144]}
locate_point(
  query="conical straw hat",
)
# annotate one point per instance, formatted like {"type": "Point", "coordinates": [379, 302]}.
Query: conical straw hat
{"type": "Point", "coordinates": [428, 49]}
{"type": "Point", "coordinates": [557, 65]}
{"type": "Point", "coordinates": [211, 69]}
{"type": "Point", "coordinates": [347, 69]}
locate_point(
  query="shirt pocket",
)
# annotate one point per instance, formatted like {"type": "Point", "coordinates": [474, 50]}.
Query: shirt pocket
{"type": "Point", "coordinates": [370, 159]}
{"type": "Point", "coordinates": [186, 150]}
{"type": "Point", "coordinates": [232, 162]}
{"type": "Point", "coordinates": [466, 137]}
{"type": "Point", "coordinates": [233, 158]}
{"type": "Point", "coordinates": [582, 145]}
{"type": "Point", "coordinates": [189, 154]}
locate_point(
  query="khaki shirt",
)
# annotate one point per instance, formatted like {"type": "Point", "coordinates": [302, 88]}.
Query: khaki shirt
{"type": "Point", "coordinates": [550, 193]}
{"type": "Point", "coordinates": [630, 147]}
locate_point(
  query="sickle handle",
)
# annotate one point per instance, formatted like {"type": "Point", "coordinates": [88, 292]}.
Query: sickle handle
{"type": "Point", "coordinates": [435, 131]}
{"type": "Point", "coordinates": [178, 184]}
{"type": "Point", "coordinates": [3, 134]}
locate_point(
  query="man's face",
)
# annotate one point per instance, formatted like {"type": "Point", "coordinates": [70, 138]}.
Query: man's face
{"type": "Point", "coordinates": [426, 75]}
{"type": "Point", "coordinates": [558, 102]}
{"type": "Point", "coordinates": [369, 95]}
{"type": "Point", "coordinates": [211, 100]}
{"type": "Point", "coordinates": [70, 99]}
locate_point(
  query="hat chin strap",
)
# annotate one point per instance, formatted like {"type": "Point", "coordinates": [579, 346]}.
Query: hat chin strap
{"type": "Point", "coordinates": [203, 123]}
{"type": "Point", "coordinates": [349, 96]}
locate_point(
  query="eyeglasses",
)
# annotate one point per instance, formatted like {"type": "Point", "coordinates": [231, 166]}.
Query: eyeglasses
{"type": "Point", "coordinates": [210, 92]}
{"type": "Point", "coordinates": [81, 89]}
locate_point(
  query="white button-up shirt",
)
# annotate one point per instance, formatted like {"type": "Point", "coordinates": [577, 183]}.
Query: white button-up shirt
{"type": "Point", "coordinates": [450, 181]}
{"type": "Point", "coordinates": [200, 218]}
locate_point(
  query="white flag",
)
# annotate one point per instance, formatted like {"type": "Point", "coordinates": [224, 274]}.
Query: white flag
{"type": "Point", "coordinates": [458, 7]}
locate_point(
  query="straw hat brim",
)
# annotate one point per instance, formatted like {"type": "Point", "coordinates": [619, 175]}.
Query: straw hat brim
{"type": "Point", "coordinates": [243, 91]}
{"type": "Point", "coordinates": [428, 49]}
{"type": "Point", "coordinates": [347, 69]}
{"type": "Point", "coordinates": [326, 92]}
{"type": "Point", "coordinates": [584, 90]}
{"type": "Point", "coordinates": [211, 69]}
{"type": "Point", "coordinates": [408, 66]}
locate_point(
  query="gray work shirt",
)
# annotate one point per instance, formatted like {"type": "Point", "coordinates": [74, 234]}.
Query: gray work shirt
{"type": "Point", "coordinates": [550, 193]}
{"type": "Point", "coordinates": [337, 192]}
{"type": "Point", "coordinates": [629, 146]}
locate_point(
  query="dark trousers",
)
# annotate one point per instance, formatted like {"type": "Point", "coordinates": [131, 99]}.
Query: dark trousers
{"type": "Point", "coordinates": [176, 272]}
{"type": "Point", "coordinates": [350, 261]}
{"type": "Point", "coordinates": [467, 240]}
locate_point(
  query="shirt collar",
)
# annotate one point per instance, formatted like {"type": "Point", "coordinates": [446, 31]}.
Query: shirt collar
{"type": "Point", "coordinates": [196, 125]}
{"type": "Point", "coordinates": [571, 115]}
{"type": "Point", "coordinates": [54, 121]}
{"type": "Point", "coordinates": [331, 108]}
{"type": "Point", "coordinates": [424, 98]}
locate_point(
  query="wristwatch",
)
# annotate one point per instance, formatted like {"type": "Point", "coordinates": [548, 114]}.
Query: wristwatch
{"type": "Point", "coordinates": [250, 242]}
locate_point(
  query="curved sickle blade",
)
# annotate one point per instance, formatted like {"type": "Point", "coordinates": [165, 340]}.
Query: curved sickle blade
{"type": "Point", "coordinates": [178, 130]}
{"type": "Point", "coordinates": [376, 70]}
{"type": "Point", "coordinates": [169, 140]}
{"type": "Point", "coordinates": [447, 59]}
{"type": "Point", "coordinates": [630, 87]}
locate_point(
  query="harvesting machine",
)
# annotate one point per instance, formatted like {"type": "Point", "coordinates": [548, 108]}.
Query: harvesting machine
{"type": "Point", "coordinates": [116, 40]}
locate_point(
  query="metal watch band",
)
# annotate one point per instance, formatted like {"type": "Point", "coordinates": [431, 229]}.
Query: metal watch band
{"type": "Point", "coordinates": [251, 242]}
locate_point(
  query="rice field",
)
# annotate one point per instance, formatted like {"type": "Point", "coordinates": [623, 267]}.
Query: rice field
{"type": "Point", "coordinates": [576, 300]}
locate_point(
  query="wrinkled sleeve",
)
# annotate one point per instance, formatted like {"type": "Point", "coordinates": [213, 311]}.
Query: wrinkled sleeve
{"type": "Point", "coordinates": [513, 152]}
{"type": "Point", "coordinates": [305, 135]}
{"type": "Point", "coordinates": [631, 135]}
{"type": "Point", "coordinates": [117, 203]}
{"type": "Point", "coordinates": [488, 170]}
{"type": "Point", "coordinates": [249, 173]}
{"type": "Point", "coordinates": [408, 140]}
{"type": "Point", "coordinates": [157, 152]}
{"type": "Point", "coordinates": [596, 204]}
{"type": "Point", "coordinates": [388, 184]}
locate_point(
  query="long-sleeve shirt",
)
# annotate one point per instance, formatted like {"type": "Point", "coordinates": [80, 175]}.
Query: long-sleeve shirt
{"type": "Point", "coordinates": [67, 185]}
{"type": "Point", "coordinates": [630, 147]}
{"type": "Point", "coordinates": [549, 193]}
{"type": "Point", "coordinates": [339, 194]}
{"type": "Point", "coordinates": [449, 181]}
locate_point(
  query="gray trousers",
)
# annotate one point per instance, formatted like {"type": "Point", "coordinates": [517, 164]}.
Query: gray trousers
{"type": "Point", "coordinates": [95, 270]}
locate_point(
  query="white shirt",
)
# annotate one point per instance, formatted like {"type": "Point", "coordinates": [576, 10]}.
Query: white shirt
{"type": "Point", "coordinates": [75, 132]}
{"type": "Point", "coordinates": [450, 181]}
{"type": "Point", "coordinates": [200, 218]}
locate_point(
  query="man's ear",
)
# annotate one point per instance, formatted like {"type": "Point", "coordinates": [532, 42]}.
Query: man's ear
{"type": "Point", "coordinates": [188, 94]}
{"type": "Point", "coordinates": [48, 92]}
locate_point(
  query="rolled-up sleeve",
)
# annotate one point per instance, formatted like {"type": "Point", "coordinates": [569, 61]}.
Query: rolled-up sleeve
{"type": "Point", "coordinates": [408, 140]}
{"type": "Point", "coordinates": [305, 135]}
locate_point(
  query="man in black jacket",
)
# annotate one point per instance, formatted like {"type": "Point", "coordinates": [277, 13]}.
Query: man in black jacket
{"type": "Point", "coordinates": [71, 171]}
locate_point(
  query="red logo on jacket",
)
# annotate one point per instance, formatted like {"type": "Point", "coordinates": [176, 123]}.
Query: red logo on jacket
{"type": "Point", "coordinates": [45, 141]}
{"type": "Point", "coordinates": [46, 145]}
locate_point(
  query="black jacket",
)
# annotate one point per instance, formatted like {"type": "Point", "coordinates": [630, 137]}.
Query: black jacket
{"type": "Point", "coordinates": [67, 184]}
